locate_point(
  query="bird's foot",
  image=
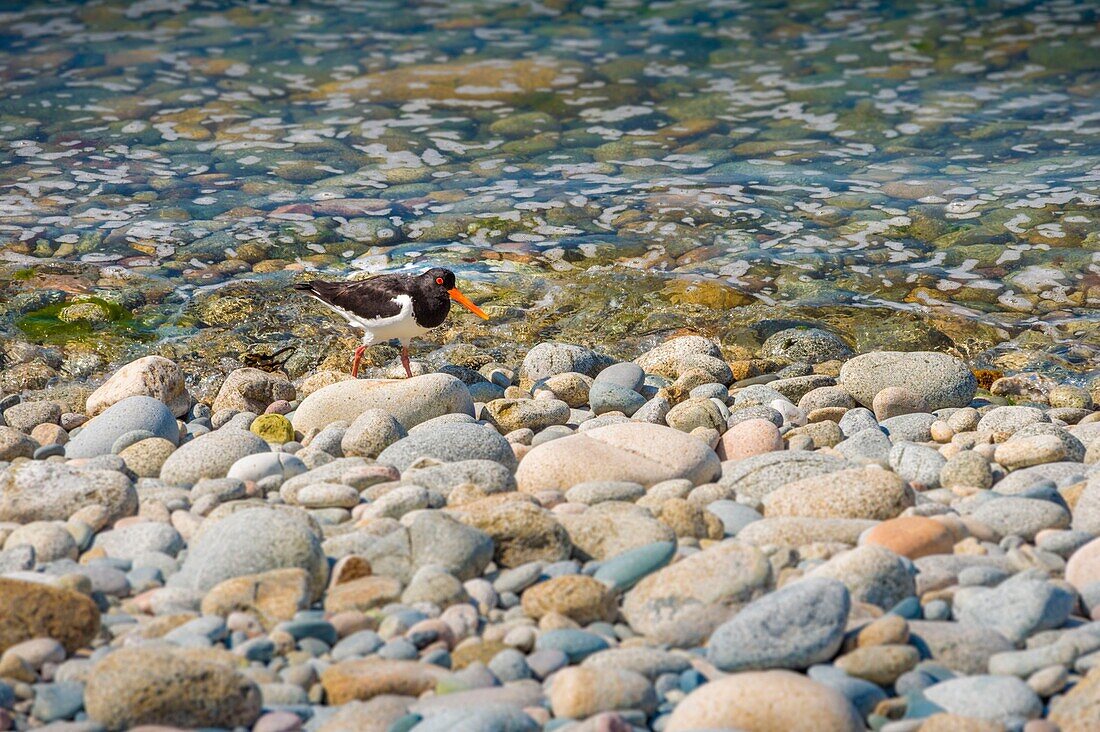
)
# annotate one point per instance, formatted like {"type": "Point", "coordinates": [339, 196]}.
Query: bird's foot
{"type": "Point", "coordinates": [405, 362]}
{"type": "Point", "coordinates": [355, 361]}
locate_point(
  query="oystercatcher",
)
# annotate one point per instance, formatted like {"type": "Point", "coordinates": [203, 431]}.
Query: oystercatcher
{"type": "Point", "coordinates": [392, 306]}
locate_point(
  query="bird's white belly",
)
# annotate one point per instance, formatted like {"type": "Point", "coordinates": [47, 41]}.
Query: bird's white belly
{"type": "Point", "coordinates": [402, 326]}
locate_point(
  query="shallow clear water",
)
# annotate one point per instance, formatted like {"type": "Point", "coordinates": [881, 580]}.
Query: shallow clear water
{"type": "Point", "coordinates": [917, 176]}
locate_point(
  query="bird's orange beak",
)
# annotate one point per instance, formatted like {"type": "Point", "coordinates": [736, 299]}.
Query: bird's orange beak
{"type": "Point", "coordinates": [466, 303]}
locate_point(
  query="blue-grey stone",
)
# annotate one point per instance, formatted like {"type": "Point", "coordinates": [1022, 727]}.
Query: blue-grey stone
{"type": "Point", "coordinates": [251, 541]}
{"type": "Point", "coordinates": [357, 645]}
{"type": "Point", "coordinates": [575, 644]}
{"type": "Point", "coordinates": [398, 649]}
{"type": "Point", "coordinates": [1004, 699]}
{"type": "Point", "coordinates": [487, 475]}
{"type": "Point", "coordinates": [510, 665]}
{"type": "Point", "coordinates": [863, 695]}
{"type": "Point", "coordinates": [606, 397]}
{"type": "Point", "coordinates": [1017, 608]}
{"type": "Point", "coordinates": [733, 515]}
{"type": "Point", "coordinates": [148, 536]}
{"type": "Point", "coordinates": [256, 649]}
{"type": "Point", "coordinates": [480, 718]}
{"type": "Point", "coordinates": [60, 700]}
{"type": "Point", "coordinates": [450, 443]}
{"type": "Point", "coordinates": [47, 451]}
{"type": "Point", "coordinates": [129, 438]}
{"type": "Point", "coordinates": [317, 628]}
{"type": "Point", "coordinates": [625, 570]}
{"type": "Point", "coordinates": [794, 627]}
{"type": "Point", "coordinates": [871, 445]}
{"type": "Point", "coordinates": [917, 464]}
{"type": "Point", "coordinates": [857, 420]}
{"type": "Point", "coordinates": [133, 413]}
{"type": "Point", "coordinates": [626, 374]}
{"type": "Point", "coordinates": [546, 661]}
{"type": "Point", "coordinates": [915, 427]}
{"type": "Point", "coordinates": [710, 391]}
{"type": "Point", "coordinates": [1023, 517]}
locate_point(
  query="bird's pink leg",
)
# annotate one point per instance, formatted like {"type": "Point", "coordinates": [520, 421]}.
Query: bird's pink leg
{"type": "Point", "coordinates": [355, 361]}
{"type": "Point", "coordinates": [405, 361]}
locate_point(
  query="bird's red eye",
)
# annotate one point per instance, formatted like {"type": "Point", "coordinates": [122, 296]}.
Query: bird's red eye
{"type": "Point", "coordinates": [439, 280]}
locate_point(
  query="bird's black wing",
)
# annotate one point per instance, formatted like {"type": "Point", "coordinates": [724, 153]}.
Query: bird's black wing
{"type": "Point", "coordinates": [367, 299]}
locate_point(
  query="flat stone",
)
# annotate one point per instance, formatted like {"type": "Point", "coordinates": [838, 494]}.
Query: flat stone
{"type": "Point", "coordinates": [612, 528]}
{"type": "Point", "coordinates": [409, 401]}
{"type": "Point", "coordinates": [638, 452]}
{"type": "Point", "coordinates": [1017, 608]}
{"type": "Point", "coordinates": [755, 477]}
{"type": "Point", "coordinates": [521, 533]}
{"type": "Point", "coordinates": [962, 648]}
{"type": "Point", "coordinates": [577, 597]}
{"type": "Point", "coordinates": [798, 531]}
{"type": "Point", "coordinates": [367, 678]}
{"type": "Point", "coordinates": [536, 414]}
{"type": "Point", "coordinates": [623, 571]}
{"type": "Point", "coordinates": [999, 698]}
{"type": "Point", "coordinates": [272, 597]}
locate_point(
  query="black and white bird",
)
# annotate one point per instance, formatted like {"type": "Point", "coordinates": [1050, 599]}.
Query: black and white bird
{"type": "Point", "coordinates": [392, 306]}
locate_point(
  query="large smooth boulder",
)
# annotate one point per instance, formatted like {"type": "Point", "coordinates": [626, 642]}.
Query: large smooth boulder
{"type": "Point", "coordinates": [151, 376]}
{"type": "Point", "coordinates": [942, 380]}
{"type": "Point", "coordinates": [49, 491]}
{"type": "Point", "coordinates": [636, 451]}
{"type": "Point", "coordinates": [409, 401]}
{"type": "Point", "coordinates": [98, 436]}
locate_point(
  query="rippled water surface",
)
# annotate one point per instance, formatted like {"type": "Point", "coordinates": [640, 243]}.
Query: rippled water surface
{"type": "Point", "coordinates": [918, 175]}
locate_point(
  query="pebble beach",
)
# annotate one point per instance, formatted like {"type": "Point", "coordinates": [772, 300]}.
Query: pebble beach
{"type": "Point", "coordinates": [784, 416]}
{"type": "Point", "coordinates": [805, 540]}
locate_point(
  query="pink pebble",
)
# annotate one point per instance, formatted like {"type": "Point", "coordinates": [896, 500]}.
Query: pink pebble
{"type": "Point", "coordinates": [748, 438]}
{"type": "Point", "coordinates": [278, 722]}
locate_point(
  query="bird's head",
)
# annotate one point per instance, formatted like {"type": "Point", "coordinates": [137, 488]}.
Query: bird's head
{"type": "Point", "coordinates": [444, 279]}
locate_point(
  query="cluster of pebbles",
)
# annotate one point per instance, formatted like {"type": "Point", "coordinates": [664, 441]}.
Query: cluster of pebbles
{"type": "Point", "coordinates": [806, 540]}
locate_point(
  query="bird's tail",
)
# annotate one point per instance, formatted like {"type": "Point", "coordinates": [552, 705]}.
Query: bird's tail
{"type": "Point", "coordinates": [305, 286]}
